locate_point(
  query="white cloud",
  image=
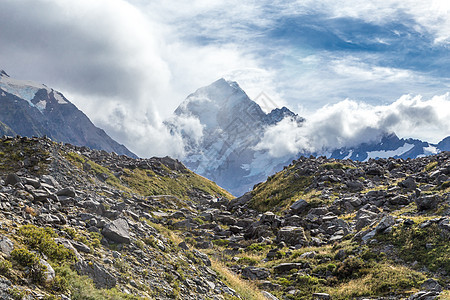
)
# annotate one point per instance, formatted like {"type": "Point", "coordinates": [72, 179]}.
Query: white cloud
{"type": "Point", "coordinates": [184, 125]}
{"type": "Point", "coordinates": [325, 78]}
{"type": "Point", "coordinates": [431, 16]}
{"type": "Point", "coordinates": [349, 123]}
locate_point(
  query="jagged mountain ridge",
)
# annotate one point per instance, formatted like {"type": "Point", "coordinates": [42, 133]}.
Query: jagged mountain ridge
{"type": "Point", "coordinates": [233, 125]}
{"type": "Point", "coordinates": [31, 109]}
{"type": "Point", "coordinates": [391, 146]}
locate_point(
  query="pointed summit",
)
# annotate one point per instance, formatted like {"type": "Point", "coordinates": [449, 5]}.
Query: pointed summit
{"type": "Point", "coordinates": [219, 104]}
{"type": "Point", "coordinates": [278, 114]}
{"type": "Point", "coordinates": [219, 92]}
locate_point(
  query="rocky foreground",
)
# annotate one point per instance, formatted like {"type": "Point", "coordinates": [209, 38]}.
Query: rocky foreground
{"type": "Point", "coordinates": [84, 224]}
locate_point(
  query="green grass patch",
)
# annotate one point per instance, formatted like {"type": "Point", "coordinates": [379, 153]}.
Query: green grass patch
{"type": "Point", "coordinates": [42, 240]}
{"type": "Point", "coordinates": [147, 182]}
{"type": "Point", "coordinates": [336, 166]}
{"type": "Point", "coordinates": [279, 190]}
{"type": "Point", "coordinates": [14, 152]}
{"type": "Point", "coordinates": [83, 288]}
{"type": "Point", "coordinates": [431, 166]}
{"type": "Point", "coordinates": [380, 279]}
{"type": "Point", "coordinates": [31, 262]}
{"type": "Point", "coordinates": [428, 246]}
{"type": "Point", "coordinates": [249, 261]}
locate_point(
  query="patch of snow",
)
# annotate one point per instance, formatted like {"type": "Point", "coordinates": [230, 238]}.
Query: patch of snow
{"type": "Point", "coordinates": [41, 105]}
{"type": "Point", "coordinates": [390, 153]}
{"type": "Point", "coordinates": [3, 94]}
{"type": "Point", "coordinates": [349, 155]}
{"type": "Point", "coordinates": [23, 89]}
{"type": "Point", "coordinates": [59, 97]}
{"type": "Point", "coordinates": [430, 150]}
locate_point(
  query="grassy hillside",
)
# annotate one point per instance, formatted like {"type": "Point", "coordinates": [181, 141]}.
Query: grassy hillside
{"type": "Point", "coordinates": [146, 182]}
{"type": "Point", "coordinates": [5, 130]}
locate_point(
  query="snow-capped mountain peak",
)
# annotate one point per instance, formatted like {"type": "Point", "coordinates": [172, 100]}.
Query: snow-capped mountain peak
{"type": "Point", "coordinates": [23, 89]}
{"type": "Point", "coordinates": [278, 114]}
{"type": "Point", "coordinates": [218, 103]}
{"type": "Point", "coordinates": [233, 125]}
{"type": "Point", "coordinates": [37, 95]}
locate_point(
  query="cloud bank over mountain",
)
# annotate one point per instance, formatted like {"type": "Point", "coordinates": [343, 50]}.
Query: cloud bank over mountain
{"type": "Point", "coordinates": [350, 123]}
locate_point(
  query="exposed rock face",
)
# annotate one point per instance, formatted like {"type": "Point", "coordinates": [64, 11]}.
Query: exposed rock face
{"type": "Point", "coordinates": [117, 231]}
{"type": "Point", "coordinates": [12, 179]}
{"type": "Point", "coordinates": [101, 276]}
{"type": "Point", "coordinates": [292, 236]}
{"type": "Point", "coordinates": [385, 223]}
{"type": "Point", "coordinates": [409, 184]}
{"type": "Point", "coordinates": [6, 245]}
{"type": "Point", "coordinates": [49, 274]}
{"type": "Point", "coordinates": [299, 206]}
{"type": "Point", "coordinates": [254, 273]}
{"type": "Point", "coordinates": [427, 202]}
{"type": "Point", "coordinates": [286, 267]}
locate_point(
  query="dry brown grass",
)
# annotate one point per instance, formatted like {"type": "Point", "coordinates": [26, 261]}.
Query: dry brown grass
{"type": "Point", "coordinates": [445, 295]}
{"type": "Point", "coordinates": [246, 289]}
{"type": "Point", "coordinates": [29, 210]}
{"type": "Point", "coordinates": [169, 234]}
{"type": "Point", "coordinates": [385, 278]}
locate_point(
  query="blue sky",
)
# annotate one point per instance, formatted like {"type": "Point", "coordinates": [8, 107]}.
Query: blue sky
{"type": "Point", "coordinates": [129, 64]}
{"type": "Point", "coordinates": [316, 52]}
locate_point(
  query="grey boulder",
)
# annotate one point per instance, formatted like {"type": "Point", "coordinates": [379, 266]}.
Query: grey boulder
{"type": "Point", "coordinates": [117, 231]}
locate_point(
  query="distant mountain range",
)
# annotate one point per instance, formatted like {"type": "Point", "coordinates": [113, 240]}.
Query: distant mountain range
{"type": "Point", "coordinates": [391, 146]}
{"type": "Point", "coordinates": [31, 109]}
{"type": "Point", "coordinates": [233, 125]}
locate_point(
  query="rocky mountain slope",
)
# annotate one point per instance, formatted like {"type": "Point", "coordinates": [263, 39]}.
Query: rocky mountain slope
{"type": "Point", "coordinates": [67, 211]}
{"type": "Point", "coordinates": [343, 229]}
{"type": "Point", "coordinates": [151, 229]}
{"type": "Point", "coordinates": [233, 125]}
{"type": "Point", "coordinates": [31, 109]}
{"type": "Point", "coordinates": [5, 130]}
